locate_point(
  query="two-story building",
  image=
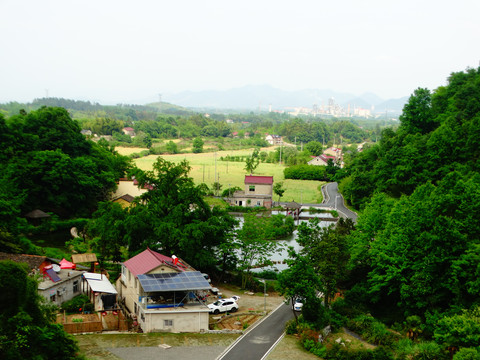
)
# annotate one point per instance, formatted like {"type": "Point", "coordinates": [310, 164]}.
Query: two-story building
{"type": "Point", "coordinates": [258, 192]}
{"type": "Point", "coordinates": [164, 293]}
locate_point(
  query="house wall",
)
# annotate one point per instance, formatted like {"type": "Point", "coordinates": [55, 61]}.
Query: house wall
{"type": "Point", "coordinates": [128, 187]}
{"type": "Point", "coordinates": [253, 202]}
{"type": "Point", "coordinates": [317, 161]}
{"type": "Point", "coordinates": [260, 189]}
{"type": "Point", "coordinates": [63, 291]}
{"type": "Point", "coordinates": [181, 320]}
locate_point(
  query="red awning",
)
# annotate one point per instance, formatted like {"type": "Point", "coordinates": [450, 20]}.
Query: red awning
{"type": "Point", "coordinates": [65, 264]}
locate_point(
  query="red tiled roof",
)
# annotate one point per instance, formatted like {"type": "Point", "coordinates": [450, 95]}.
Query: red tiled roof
{"type": "Point", "coordinates": [148, 260]}
{"type": "Point", "coordinates": [253, 179]}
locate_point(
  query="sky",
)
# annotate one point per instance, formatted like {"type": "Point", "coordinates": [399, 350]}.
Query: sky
{"type": "Point", "coordinates": [131, 51]}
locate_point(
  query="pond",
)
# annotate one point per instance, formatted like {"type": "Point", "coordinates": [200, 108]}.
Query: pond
{"type": "Point", "coordinates": [278, 258]}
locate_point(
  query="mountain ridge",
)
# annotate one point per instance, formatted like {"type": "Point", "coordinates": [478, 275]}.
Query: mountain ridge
{"type": "Point", "coordinates": [264, 96]}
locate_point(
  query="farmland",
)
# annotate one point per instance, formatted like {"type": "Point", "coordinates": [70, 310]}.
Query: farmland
{"type": "Point", "coordinates": [206, 165]}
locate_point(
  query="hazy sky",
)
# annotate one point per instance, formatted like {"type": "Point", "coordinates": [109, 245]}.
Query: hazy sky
{"type": "Point", "coordinates": [130, 51]}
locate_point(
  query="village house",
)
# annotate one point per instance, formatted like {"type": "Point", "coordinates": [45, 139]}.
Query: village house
{"type": "Point", "coordinates": [56, 284]}
{"type": "Point", "coordinates": [163, 293]}
{"type": "Point", "coordinates": [127, 190]}
{"type": "Point", "coordinates": [321, 160]}
{"type": "Point", "coordinates": [332, 153]}
{"type": "Point", "coordinates": [274, 139]}
{"type": "Point", "coordinates": [129, 131]}
{"type": "Point", "coordinates": [258, 192]}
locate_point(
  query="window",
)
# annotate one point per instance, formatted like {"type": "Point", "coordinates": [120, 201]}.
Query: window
{"type": "Point", "coordinates": [167, 323]}
{"type": "Point", "coordinates": [75, 286]}
{"type": "Point", "coordinates": [251, 188]}
{"type": "Point", "coordinates": [258, 203]}
{"type": "Point", "coordinates": [53, 297]}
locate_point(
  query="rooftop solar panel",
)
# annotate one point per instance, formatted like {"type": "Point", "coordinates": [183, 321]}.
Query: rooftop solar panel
{"type": "Point", "coordinates": [52, 275]}
{"type": "Point", "coordinates": [188, 280]}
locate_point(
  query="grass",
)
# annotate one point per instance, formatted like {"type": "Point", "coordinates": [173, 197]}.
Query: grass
{"type": "Point", "coordinates": [290, 348]}
{"type": "Point", "coordinates": [204, 169]}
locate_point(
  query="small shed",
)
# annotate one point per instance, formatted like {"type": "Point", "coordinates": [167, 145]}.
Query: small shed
{"type": "Point", "coordinates": [100, 291]}
{"type": "Point", "coordinates": [293, 208]}
{"type": "Point", "coordinates": [86, 258]}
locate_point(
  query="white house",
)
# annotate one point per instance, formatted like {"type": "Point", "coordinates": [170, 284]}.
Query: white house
{"type": "Point", "coordinates": [163, 293]}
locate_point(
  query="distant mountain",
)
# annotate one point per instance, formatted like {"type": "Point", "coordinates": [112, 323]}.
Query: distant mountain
{"type": "Point", "coordinates": [262, 96]}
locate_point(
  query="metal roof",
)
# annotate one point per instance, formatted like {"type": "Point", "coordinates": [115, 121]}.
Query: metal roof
{"type": "Point", "coordinates": [253, 179]}
{"type": "Point", "coordinates": [183, 281]}
{"type": "Point", "coordinates": [148, 260]}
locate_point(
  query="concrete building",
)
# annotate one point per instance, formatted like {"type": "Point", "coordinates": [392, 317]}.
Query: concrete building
{"type": "Point", "coordinates": [164, 293]}
{"type": "Point", "coordinates": [258, 192]}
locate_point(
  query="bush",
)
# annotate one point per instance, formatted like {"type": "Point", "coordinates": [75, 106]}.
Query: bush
{"type": "Point", "coordinates": [77, 303]}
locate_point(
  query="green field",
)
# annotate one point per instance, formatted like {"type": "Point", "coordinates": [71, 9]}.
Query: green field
{"type": "Point", "coordinates": [231, 174]}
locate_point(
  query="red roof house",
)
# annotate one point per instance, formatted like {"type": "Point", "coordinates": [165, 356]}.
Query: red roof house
{"type": "Point", "coordinates": [254, 179]}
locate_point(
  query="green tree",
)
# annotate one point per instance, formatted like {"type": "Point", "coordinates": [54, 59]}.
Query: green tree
{"type": "Point", "coordinates": [253, 249]}
{"type": "Point", "coordinates": [251, 163]}
{"type": "Point", "coordinates": [327, 250]}
{"type": "Point", "coordinates": [172, 148]}
{"type": "Point", "coordinates": [298, 280]}
{"type": "Point", "coordinates": [173, 216]}
{"type": "Point", "coordinates": [459, 331]}
{"type": "Point", "coordinates": [314, 147]}
{"type": "Point", "coordinates": [27, 330]}
{"type": "Point", "coordinates": [278, 189]}
{"type": "Point", "coordinates": [197, 146]}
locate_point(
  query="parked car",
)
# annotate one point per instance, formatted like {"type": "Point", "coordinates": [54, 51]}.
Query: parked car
{"type": "Point", "coordinates": [298, 303]}
{"type": "Point", "coordinates": [223, 305]}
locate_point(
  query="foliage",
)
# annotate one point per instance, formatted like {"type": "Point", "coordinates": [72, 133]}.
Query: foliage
{"type": "Point", "coordinates": [298, 280]}
{"type": "Point", "coordinates": [172, 216]}
{"type": "Point", "coordinates": [251, 163]}
{"type": "Point", "coordinates": [326, 249]}
{"type": "Point", "coordinates": [230, 191]}
{"type": "Point", "coordinates": [306, 172]}
{"type": "Point", "coordinates": [197, 146]}
{"type": "Point", "coordinates": [278, 189]}
{"type": "Point", "coordinates": [253, 248]}
{"type": "Point", "coordinates": [460, 330]}
{"type": "Point", "coordinates": [26, 328]}
{"type": "Point", "coordinates": [78, 304]}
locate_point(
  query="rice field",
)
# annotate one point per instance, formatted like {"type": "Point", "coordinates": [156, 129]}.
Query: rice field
{"type": "Point", "coordinates": [208, 168]}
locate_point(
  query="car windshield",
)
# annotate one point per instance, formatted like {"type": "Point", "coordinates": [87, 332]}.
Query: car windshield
{"type": "Point", "coordinates": [217, 303]}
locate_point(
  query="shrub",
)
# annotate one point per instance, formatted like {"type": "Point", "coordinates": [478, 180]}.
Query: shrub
{"type": "Point", "coordinates": [78, 302]}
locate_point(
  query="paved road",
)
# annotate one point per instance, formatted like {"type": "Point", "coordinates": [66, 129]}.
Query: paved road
{"type": "Point", "coordinates": [258, 341]}
{"type": "Point", "coordinates": [334, 200]}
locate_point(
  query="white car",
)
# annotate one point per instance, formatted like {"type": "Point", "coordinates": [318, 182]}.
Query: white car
{"type": "Point", "coordinates": [298, 304]}
{"type": "Point", "coordinates": [223, 305]}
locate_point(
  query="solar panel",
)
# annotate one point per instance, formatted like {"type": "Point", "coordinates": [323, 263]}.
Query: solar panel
{"type": "Point", "coordinates": [52, 275]}
{"type": "Point", "coordinates": [182, 281]}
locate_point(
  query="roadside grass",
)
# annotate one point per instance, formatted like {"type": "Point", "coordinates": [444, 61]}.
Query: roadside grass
{"type": "Point", "coordinates": [204, 169]}
{"type": "Point", "coordinates": [94, 346]}
{"type": "Point", "coordinates": [290, 348]}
